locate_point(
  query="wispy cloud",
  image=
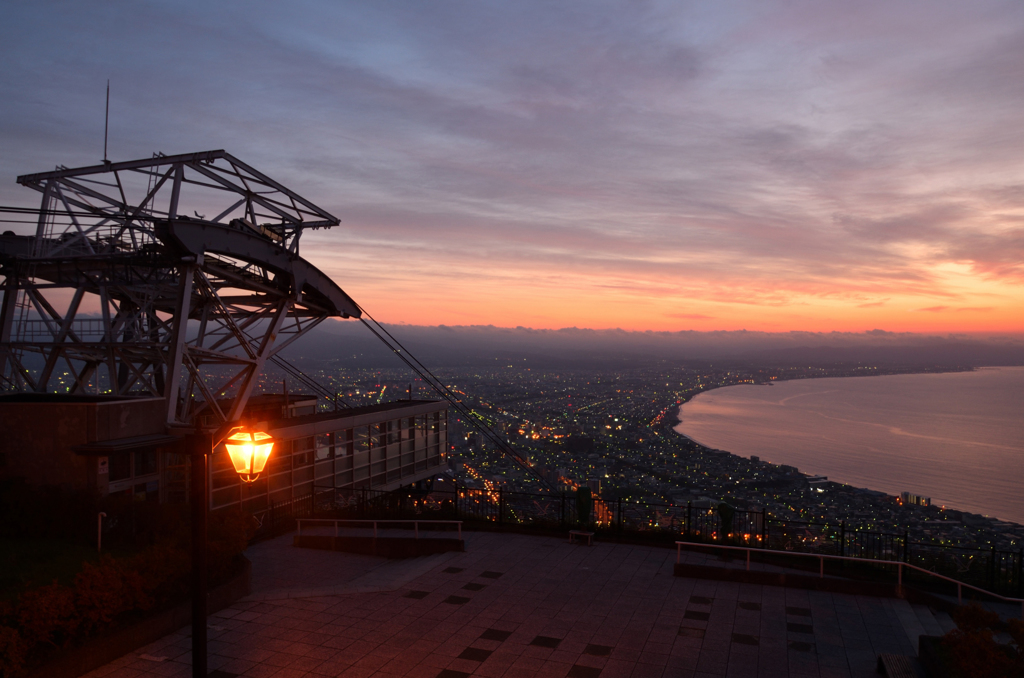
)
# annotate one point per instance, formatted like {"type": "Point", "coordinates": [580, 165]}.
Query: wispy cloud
{"type": "Point", "coordinates": [778, 165]}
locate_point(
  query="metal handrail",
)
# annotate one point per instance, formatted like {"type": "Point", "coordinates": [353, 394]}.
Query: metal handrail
{"type": "Point", "coordinates": [822, 556]}
{"type": "Point", "coordinates": [415, 523]}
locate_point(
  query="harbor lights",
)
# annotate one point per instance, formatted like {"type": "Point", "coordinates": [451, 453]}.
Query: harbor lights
{"type": "Point", "coordinates": [249, 450]}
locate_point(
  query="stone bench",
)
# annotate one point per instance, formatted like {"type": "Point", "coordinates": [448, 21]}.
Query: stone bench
{"type": "Point", "coordinates": [581, 535]}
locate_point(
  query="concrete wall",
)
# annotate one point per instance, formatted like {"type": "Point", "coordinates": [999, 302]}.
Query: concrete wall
{"type": "Point", "coordinates": [38, 436]}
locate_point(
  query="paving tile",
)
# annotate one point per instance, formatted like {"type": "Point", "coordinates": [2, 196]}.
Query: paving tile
{"type": "Point", "coordinates": [495, 634]}
{"type": "Point", "coordinates": [475, 654]}
{"type": "Point", "coordinates": [546, 641]}
{"type": "Point", "coordinates": [744, 639]}
{"type": "Point", "coordinates": [450, 673]}
{"type": "Point", "coordinates": [619, 598]}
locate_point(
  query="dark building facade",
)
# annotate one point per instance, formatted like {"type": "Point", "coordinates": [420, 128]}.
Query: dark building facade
{"type": "Point", "coordinates": [121, 447]}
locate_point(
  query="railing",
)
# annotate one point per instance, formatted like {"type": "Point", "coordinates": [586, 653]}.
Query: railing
{"type": "Point", "coordinates": [415, 523]}
{"type": "Point", "coordinates": [990, 569]}
{"type": "Point", "coordinates": [822, 557]}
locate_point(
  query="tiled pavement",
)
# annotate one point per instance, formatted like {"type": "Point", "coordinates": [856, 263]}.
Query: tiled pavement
{"type": "Point", "coordinates": [515, 606]}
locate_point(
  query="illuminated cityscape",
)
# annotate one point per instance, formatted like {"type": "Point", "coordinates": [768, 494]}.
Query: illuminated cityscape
{"type": "Point", "coordinates": [612, 431]}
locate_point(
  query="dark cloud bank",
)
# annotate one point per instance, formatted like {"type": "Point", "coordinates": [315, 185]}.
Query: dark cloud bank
{"type": "Point", "coordinates": [351, 344]}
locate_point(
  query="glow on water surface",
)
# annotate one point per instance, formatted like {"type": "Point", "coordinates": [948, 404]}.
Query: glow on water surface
{"type": "Point", "coordinates": [956, 437]}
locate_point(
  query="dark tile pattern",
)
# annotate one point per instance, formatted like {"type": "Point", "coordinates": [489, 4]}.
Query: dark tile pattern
{"type": "Point", "coordinates": [456, 600]}
{"type": "Point", "coordinates": [217, 673]}
{"type": "Point", "coordinates": [495, 634]}
{"type": "Point", "coordinates": [473, 586]}
{"type": "Point", "coordinates": [453, 570]}
{"type": "Point", "coordinates": [491, 575]}
{"type": "Point", "coordinates": [579, 671]}
{"type": "Point", "coordinates": [475, 654]}
{"type": "Point", "coordinates": [617, 610]}
{"type": "Point", "coordinates": [546, 641]}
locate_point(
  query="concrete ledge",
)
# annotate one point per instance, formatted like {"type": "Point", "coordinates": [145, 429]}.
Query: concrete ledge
{"type": "Point", "coordinates": [387, 547]}
{"type": "Point", "coordinates": [934, 657]}
{"type": "Point", "coordinates": [788, 579]}
{"type": "Point", "coordinates": [106, 648]}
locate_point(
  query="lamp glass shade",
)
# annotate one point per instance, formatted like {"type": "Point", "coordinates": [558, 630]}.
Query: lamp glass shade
{"type": "Point", "coordinates": [249, 452]}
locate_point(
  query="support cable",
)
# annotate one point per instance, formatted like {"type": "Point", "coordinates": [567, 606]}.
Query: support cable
{"type": "Point", "coordinates": [429, 378]}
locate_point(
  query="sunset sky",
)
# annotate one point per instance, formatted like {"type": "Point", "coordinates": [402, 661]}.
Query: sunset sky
{"type": "Point", "coordinates": [771, 166]}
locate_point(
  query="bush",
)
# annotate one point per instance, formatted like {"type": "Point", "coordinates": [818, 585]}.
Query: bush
{"type": "Point", "coordinates": [54, 616]}
{"type": "Point", "coordinates": [973, 651]}
{"type": "Point", "coordinates": [12, 652]}
{"type": "Point", "coordinates": [48, 615]}
{"type": "Point", "coordinates": [106, 590]}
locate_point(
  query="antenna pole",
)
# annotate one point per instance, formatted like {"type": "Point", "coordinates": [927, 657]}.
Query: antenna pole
{"type": "Point", "coordinates": [106, 123]}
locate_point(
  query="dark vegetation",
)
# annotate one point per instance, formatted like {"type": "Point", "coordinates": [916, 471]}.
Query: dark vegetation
{"type": "Point", "coordinates": [981, 646]}
{"type": "Point", "coordinates": [56, 590]}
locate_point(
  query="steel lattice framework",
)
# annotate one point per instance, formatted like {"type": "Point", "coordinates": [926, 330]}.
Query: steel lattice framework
{"type": "Point", "coordinates": [128, 288]}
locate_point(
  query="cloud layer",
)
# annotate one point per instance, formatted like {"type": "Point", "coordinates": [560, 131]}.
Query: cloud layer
{"type": "Point", "coordinates": [772, 166]}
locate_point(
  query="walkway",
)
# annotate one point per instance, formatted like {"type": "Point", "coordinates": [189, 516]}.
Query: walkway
{"type": "Point", "coordinates": [515, 606]}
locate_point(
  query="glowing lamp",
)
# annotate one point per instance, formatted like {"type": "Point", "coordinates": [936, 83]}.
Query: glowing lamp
{"type": "Point", "coordinates": [249, 452]}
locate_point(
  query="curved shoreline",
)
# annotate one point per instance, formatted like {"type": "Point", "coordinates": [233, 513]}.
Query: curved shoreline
{"type": "Point", "coordinates": [903, 471]}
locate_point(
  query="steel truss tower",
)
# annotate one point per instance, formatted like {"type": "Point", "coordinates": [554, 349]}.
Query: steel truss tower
{"type": "Point", "coordinates": [129, 288]}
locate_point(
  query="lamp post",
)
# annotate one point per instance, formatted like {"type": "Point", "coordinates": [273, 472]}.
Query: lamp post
{"type": "Point", "coordinates": [249, 452]}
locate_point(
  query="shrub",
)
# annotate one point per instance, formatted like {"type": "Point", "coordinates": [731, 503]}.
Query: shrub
{"type": "Point", "coordinates": [55, 615]}
{"type": "Point", "coordinates": [972, 648]}
{"type": "Point", "coordinates": [974, 617]}
{"type": "Point", "coordinates": [12, 652]}
{"type": "Point", "coordinates": [106, 590]}
{"type": "Point", "coordinates": [164, 571]}
{"type": "Point", "coordinates": [47, 615]}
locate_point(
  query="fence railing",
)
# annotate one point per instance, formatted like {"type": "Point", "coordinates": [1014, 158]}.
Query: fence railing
{"type": "Point", "coordinates": [374, 523]}
{"type": "Point", "coordinates": [822, 557]}
{"type": "Point", "coordinates": [991, 569]}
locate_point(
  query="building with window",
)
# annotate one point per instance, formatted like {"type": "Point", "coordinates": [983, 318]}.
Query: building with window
{"type": "Point", "coordinates": [381, 447]}
{"type": "Point", "coordinates": [120, 447]}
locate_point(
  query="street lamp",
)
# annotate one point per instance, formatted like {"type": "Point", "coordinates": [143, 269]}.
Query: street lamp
{"type": "Point", "coordinates": [249, 451]}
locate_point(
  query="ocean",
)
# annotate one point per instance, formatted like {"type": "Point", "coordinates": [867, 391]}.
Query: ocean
{"type": "Point", "coordinates": [957, 437]}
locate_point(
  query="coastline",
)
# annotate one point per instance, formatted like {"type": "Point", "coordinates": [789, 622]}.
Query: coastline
{"type": "Point", "coordinates": [951, 502]}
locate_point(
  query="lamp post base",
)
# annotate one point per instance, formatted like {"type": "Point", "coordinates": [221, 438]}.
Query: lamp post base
{"type": "Point", "coordinates": [200, 447]}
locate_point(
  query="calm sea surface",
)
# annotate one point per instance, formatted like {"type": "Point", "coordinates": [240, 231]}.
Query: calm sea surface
{"type": "Point", "coordinates": [957, 438]}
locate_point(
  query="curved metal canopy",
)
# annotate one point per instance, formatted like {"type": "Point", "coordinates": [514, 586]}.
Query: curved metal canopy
{"type": "Point", "coordinates": [128, 287]}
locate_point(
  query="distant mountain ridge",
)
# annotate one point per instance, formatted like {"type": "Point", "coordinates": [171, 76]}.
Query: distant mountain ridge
{"type": "Point", "coordinates": [351, 344]}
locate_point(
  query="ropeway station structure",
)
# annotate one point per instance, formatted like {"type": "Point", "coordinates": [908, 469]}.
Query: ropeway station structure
{"type": "Point", "coordinates": [150, 300]}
